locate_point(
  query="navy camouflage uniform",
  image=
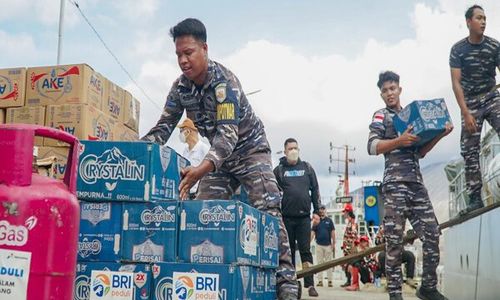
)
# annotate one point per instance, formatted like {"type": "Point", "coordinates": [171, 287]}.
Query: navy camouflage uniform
{"type": "Point", "coordinates": [240, 151]}
{"type": "Point", "coordinates": [477, 63]}
{"type": "Point", "coordinates": [405, 197]}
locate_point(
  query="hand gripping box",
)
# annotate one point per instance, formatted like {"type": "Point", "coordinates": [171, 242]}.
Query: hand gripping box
{"type": "Point", "coordinates": [206, 281]}
{"type": "Point", "coordinates": [149, 231]}
{"type": "Point", "coordinates": [269, 231]}
{"type": "Point", "coordinates": [142, 278]}
{"type": "Point", "coordinates": [428, 118]}
{"type": "Point", "coordinates": [12, 87]}
{"type": "Point", "coordinates": [128, 171]}
{"type": "Point", "coordinates": [219, 232]}
{"type": "Point", "coordinates": [100, 231]}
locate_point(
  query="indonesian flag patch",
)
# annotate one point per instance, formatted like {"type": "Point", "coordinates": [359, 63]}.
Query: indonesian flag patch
{"type": "Point", "coordinates": [378, 118]}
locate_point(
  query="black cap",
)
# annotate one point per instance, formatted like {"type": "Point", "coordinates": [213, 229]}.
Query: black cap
{"type": "Point", "coordinates": [322, 206]}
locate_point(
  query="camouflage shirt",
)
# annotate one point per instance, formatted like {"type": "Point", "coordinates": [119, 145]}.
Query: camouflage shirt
{"type": "Point", "coordinates": [221, 112]}
{"type": "Point", "coordinates": [477, 63]}
{"type": "Point", "coordinates": [350, 236]}
{"type": "Point", "coordinates": [401, 165]}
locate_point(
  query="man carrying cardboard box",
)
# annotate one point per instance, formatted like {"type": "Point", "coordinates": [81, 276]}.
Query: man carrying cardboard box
{"type": "Point", "coordinates": [404, 192]}
{"type": "Point", "coordinates": [473, 61]}
{"type": "Point", "coordinates": [240, 154]}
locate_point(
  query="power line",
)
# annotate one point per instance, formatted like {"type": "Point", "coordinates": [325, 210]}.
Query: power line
{"type": "Point", "coordinates": [113, 55]}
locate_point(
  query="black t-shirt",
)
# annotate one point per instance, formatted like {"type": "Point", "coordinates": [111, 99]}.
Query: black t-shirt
{"type": "Point", "coordinates": [323, 231]}
{"type": "Point", "coordinates": [477, 63]}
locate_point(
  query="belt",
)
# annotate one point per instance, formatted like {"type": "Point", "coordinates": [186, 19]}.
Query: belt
{"type": "Point", "coordinates": [496, 87]}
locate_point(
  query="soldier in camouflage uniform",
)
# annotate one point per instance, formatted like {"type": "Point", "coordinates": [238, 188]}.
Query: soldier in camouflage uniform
{"type": "Point", "coordinates": [240, 154]}
{"type": "Point", "coordinates": [350, 236]}
{"type": "Point", "coordinates": [403, 191]}
{"type": "Point", "coordinates": [473, 61]}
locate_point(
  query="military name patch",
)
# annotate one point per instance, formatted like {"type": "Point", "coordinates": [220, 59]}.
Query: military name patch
{"type": "Point", "coordinates": [220, 92]}
{"type": "Point", "coordinates": [226, 111]}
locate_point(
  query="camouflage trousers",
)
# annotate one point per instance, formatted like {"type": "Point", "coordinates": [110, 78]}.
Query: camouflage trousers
{"type": "Point", "coordinates": [484, 108]}
{"type": "Point", "coordinates": [256, 175]}
{"type": "Point", "coordinates": [409, 200]}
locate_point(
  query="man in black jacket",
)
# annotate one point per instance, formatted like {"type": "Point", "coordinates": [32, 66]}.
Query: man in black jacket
{"type": "Point", "coordinates": [299, 185]}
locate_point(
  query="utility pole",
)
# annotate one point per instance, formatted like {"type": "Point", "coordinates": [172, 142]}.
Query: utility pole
{"type": "Point", "coordinates": [346, 161]}
{"type": "Point", "coordinates": [59, 40]}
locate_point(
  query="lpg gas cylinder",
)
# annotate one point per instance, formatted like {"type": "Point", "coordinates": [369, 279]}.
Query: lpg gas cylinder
{"type": "Point", "coordinates": [39, 219]}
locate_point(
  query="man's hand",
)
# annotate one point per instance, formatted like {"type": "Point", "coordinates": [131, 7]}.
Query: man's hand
{"type": "Point", "coordinates": [407, 139]}
{"type": "Point", "coordinates": [315, 219]}
{"type": "Point", "coordinates": [469, 122]}
{"type": "Point", "coordinates": [448, 129]}
{"type": "Point", "coordinates": [190, 176]}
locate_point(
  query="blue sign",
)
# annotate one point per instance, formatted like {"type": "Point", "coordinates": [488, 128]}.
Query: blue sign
{"type": "Point", "coordinates": [373, 209]}
{"type": "Point", "coordinates": [100, 230]}
{"type": "Point", "coordinates": [219, 232]}
{"type": "Point", "coordinates": [128, 171]}
{"type": "Point", "coordinates": [142, 278]}
{"type": "Point", "coordinates": [428, 118]}
{"type": "Point", "coordinates": [149, 232]}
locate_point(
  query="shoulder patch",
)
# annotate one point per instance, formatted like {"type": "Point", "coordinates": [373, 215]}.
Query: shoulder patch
{"type": "Point", "coordinates": [378, 117]}
{"type": "Point", "coordinates": [220, 92]}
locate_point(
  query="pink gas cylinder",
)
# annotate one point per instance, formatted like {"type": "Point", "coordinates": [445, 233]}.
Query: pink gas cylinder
{"type": "Point", "coordinates": [39, 219]}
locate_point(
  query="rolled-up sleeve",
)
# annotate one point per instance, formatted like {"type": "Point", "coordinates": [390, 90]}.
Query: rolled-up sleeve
{"type": "Point", "coordinates": [228, 95]}
{"type": "Point", "coordinates": [171, 115]}
{"type": "Point", "coordinates": [377, 131]}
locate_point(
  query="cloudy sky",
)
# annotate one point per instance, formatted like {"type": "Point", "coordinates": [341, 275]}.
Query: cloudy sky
{"type": "Point", "coordinates": [316, 62]}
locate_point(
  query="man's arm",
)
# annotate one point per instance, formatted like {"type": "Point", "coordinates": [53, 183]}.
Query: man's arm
{"type": "Point", "coordinates": [378, 145]}
{"type": "Point", "coordinates": [171, 115]}
{"type": "Point", "coordinates": [469, 120]}
{"type": "Point", "coordinates": [428, 147]}
{"type": "Point", "coordinates": [333, 238]}
{"type": "Point", "coordinates": [315, 195]}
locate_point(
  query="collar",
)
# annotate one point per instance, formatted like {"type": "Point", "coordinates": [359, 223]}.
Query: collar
{"type": "Point", "coordinates": [214, 77]}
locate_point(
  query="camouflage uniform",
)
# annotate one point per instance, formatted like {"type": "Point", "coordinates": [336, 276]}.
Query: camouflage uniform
{"type": "Point", "coordinates": [350, 236]}
{"type": "Point", "coordinates": [477, 63]}
{"type": "Point", "coordinates": [240, 151]}
{"type": "Point", "coordinates": [404, 196]}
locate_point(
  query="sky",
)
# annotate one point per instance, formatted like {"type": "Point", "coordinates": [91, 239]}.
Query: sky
{"type": "Point", "coordinates": [315, 62]}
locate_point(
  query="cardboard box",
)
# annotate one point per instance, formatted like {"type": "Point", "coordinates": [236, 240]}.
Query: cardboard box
{"type": "Point", "coordinates": [2, 116]}
{"type": "Point", "coordinates": [428, 118]}
{"type": "Point", "coordinates": [61, 154]}
{"type": "Point", "coordinates": [149, 232]}
{"type": "Point", "coordinates": [113, 100]}
{"type": "Point", "coordinates": [124, 134]}
{"type": "Point", "coordinates": [27, 115]}
{"type": "Point", "coordinates": [228, 281]}
{"type": "Point", "coordinates": [269, 284]}
{"type": "Point", "coordinates": [100, 231]}
{"type": "Point", "coordinates": [131, 112]}
{"type": "Point", "coordinates": [81, 120]}
{"type": "Point", "coordinates": [67, 84]}
{"type": "Point", "coordinates": [219, 232]}
{"type": "Point", "coordinates": [128, 171]}
{"type": "Point", "coordinates": [269, 244]}
{"type": "Point", "coordinates": [142, 278]}
{"type": "Point", "coordinates": [12, 87]}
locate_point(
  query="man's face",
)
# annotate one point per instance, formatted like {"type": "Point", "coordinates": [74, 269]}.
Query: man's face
{"type": "Point", "coordinates": [363, 244]}
{"type": "Point", "coordinates": [291, 146]}
{"type": "Point", "coordinates": [390, 92]}
{"type": "Point", "coordinates": [192, 58]}
{"type": "Point", "coordinates": [477, 24]}
{"type": "Point", "coordinates": [322, 212]}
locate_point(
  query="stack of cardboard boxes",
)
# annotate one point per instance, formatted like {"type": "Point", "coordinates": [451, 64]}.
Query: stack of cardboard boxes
{"type": "Point", "coordinates": [73, 98]}
{"type": "Point", "coordinates": [133, 222]}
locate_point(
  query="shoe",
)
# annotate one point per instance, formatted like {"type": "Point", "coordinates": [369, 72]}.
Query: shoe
{"type": "Point", "coordinates": [412, 282]}
{"type": "Point", "coordinates": [313, 292]}
{"type": "Point", "coordinates": [330, 284]}
{"type": "Point", "coordinates": [395, 297]}
{"type": "Point", "coordinates": [426, 294]}
{"type": "Point", "coordinates": [320, 283]}
{"type": "Point", "coordinates": [354, 280]}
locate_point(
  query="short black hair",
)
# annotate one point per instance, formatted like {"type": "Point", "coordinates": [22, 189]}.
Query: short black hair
{"type": "Point", "coordinates": [290, 140]}
{"type": "Point", "coordinates": [351, 214]}
{"type": "Point", "coordinates": [470, 11]}
{"type": "Point", "coordinates": [387, 76]}
{"type": "Point", "coordinates": [189, 26]}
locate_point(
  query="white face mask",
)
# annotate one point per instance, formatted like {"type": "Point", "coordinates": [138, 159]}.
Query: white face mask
{"type": "Point", "coordinates": [182, 136]}
{"type": "Point", "coordinates": [293, 155]}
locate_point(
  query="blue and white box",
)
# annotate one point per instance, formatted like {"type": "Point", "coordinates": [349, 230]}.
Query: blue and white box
{"type": "Point", "coordinates": [233, 282]}
{"type": "Point", "coordinates": [149, 231]}
{"type": "Point", "coordinates": [100, 231]}
{"type": "Point", "coordinates": [269, 284]}
{"type": "Point", "coordinates": [128, 171]}
{"type": "Point", "coordinates": [219, 232]}
{"type": "Point", "coordinates": [428, 118]}
{"type": "Point", "coordinates": [269, 243]}
{"type": "Point", "coordinates": [142, 278]}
